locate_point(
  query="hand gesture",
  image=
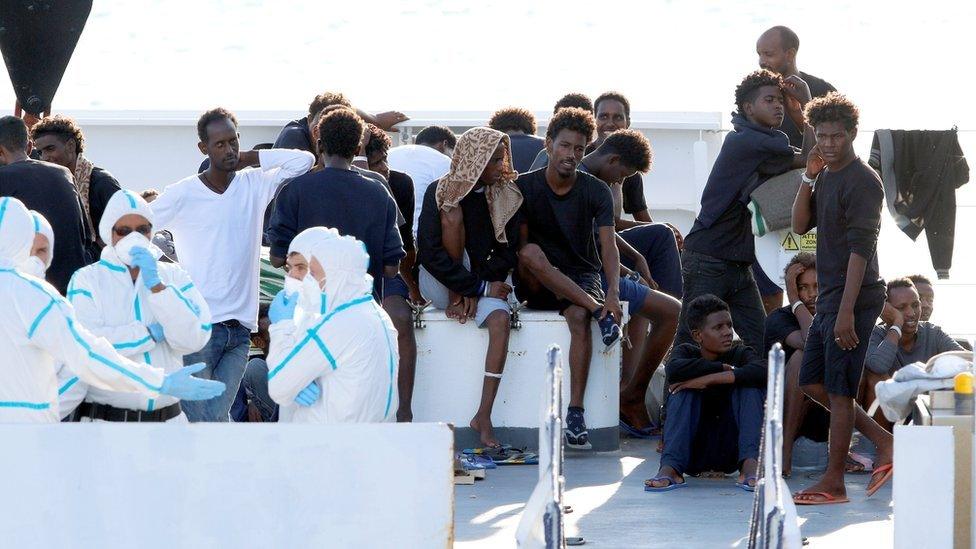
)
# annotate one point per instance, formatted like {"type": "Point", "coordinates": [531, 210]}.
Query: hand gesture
{"type": "Point", "coordinates": [797, 89]}
{"type": "Point", "coordinates": [611, 305]}
{"type": "Point", "coordinates": [386, 120]}
{"type": "Point", "coordinates": [499, 290]}
{"type": "Point", "coordinates": [815, 163]}
{"type": "Point", "coordinates": [698, 383]}
{"type": "Point", "coordinates": [892, 316]}
{"type": "Point", "coordinates": [794, 272]}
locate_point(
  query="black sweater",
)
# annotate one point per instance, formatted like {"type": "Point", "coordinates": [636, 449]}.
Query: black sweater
{"type": "Point", "coordinates": [491, 260]}
{"type": "Point", "coordinates": [686, 363]}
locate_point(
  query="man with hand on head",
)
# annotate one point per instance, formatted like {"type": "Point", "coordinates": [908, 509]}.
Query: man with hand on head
{"type": "Point", "coordinates": [38, 328]}
{"type": "Point", "coordinates": [333, 355]}
{"type": "Point", "coordinates": [148, 310]}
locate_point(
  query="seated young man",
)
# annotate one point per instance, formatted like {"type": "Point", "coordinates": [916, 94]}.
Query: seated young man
{"type": "Point", "coordinates": [788, 326]}
{"type": "Point", "coordinates": [559, 266]}
{"type": "Point", "coordinates": [467, 236]}
{"type": "Point", "coordinates": [715, 411]}
{"type": "Point", "coordinates": [620, 155]}
{"type": "Point", "coordinates": [520, 126]}
{"type": "Point", "coordinates": [903, 340]}
{"type": "Point", "coordinates": [253, 403]}
{"type": "Point", "coordinates": [720, 247]}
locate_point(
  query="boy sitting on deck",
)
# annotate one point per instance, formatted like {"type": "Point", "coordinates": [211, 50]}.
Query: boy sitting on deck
{"type": "Point", "coordinates": [715, 409]}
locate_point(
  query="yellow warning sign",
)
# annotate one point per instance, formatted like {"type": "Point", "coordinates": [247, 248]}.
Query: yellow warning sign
{"type": "Point", "coordinates": [789, 243]}
{"type": "Point", "coordinates": [800, 242]}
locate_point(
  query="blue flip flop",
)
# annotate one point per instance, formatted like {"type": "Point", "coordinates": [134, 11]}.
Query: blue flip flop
{"type": "Point", "coordinates": [745, 484]}
{"type": "Point", "coordinates": [672, 485]}
{"type": "Point", "coordinates": [646, 433]}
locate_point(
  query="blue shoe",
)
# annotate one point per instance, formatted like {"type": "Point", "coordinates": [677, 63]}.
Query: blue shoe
{"type": "Point", "coordinates": [608, 328]}
{"type": "Point", "coordinates": [577, 437]}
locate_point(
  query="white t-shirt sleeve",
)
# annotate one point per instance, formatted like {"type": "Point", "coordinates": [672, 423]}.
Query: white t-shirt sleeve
{"type": "Point", "coordinates": [278, 165]}
{"type": "Point", "coordinates": [166, 207]}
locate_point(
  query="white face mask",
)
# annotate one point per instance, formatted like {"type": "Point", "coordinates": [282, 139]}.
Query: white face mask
{"type": "Point", "coordinates": [292, 285]}
{"type": "Point", "coordinates": [33, 266]}
{"type": "Point", "coordinates": [123, 248]}
{"type": "Point", "coordinates": [312, 298]}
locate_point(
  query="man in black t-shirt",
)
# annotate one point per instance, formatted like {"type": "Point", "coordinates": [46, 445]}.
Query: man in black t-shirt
{"type": "Point", "coordinates": [48, 189]}
{"type": "Point", "coordinates": [777, 48]}
{"type": "Point", "coordinates": [559, 267]}
{"type": "Point", "coordinates": [60, 141]}
{"type": "Point", "coordinates": [841, 196]}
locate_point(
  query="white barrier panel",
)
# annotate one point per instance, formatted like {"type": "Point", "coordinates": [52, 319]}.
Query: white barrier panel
{"type": "Point", "coordinates": [257, 485]}
{"type": "Point", "coordinates": [450, 371]}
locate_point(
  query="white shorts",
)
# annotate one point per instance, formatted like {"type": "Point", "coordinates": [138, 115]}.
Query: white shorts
{"type": "Point", "coordinates": [439, 297]}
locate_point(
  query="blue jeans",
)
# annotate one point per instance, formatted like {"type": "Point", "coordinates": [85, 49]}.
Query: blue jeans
{"type": "Point", "coordinates": [715, 429]}
{"type": "Point", "coordinates": [225, 355]}
{"type": "Point", "coordinates": [656, 243]}
{"type": "Point", "coordinates": [731, 282]}
{"type": "Point", "coordinates": [254, 388]}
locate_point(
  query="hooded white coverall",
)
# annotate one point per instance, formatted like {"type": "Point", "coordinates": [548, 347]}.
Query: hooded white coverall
{"type": "Point", "coordinates": [115, 307]}
{"type": "Point", "coordinates": [38, 328]}
{"type": "Point", "coordinates": [340, 338]}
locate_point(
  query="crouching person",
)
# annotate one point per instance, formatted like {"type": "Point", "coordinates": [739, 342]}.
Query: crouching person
{"type": "Point", "coordinates": [333, 355]}
{"type": "Point", "coordinates": [467, 235]}
{"type": "Point", "coordinates": [148, 310]}
{"type": "Point", "coordinates": [715, 410]}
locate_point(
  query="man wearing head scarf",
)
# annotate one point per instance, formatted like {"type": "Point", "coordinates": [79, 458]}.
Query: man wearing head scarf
{"type": "Point", "coordinates": [468, 228]}
{"type": "Point", "coordinates": [333, 355]}
{"type": "Point", "coordinates": [148, 310]}
{"type": "Point", "coordinates": [38, 328]}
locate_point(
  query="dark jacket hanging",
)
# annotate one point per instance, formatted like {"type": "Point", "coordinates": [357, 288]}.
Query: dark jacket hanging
{"type": "Point", "coordinates": [921, 170]}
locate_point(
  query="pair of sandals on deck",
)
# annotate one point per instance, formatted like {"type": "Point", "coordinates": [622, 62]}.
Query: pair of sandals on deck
{"type": "Point", "coordinates": [748, 484]}
{"type": "Point", "coordinates": [879, 477]}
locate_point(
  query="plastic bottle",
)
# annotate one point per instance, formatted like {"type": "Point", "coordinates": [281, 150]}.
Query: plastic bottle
{"type": "Point", "coordinates": [964, 394]}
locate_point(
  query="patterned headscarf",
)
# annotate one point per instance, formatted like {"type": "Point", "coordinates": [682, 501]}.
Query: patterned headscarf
{"type": "Point", "coordinates": [474, 149]}
{"type": "Point", "coordinates": [82, 180]}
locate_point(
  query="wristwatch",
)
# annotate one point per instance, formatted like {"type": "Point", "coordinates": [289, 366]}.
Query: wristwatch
{"type": "Point", "coordinates": [807, 180]}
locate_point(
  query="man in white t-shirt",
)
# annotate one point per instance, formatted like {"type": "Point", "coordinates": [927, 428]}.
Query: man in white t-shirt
{"type": "Point", "coordinates": [425, 162]}
{"type": "Point", "coordinates": [216, 219]}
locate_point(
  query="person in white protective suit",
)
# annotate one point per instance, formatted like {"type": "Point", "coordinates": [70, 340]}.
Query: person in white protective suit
{"type": "Point", "coordinates": [42, 249]}
{"type": "Point", "coordinates": [38, 328]}
{"type": "Point", "coordinates": [148, 310]}
{"type": "Point", "coordinates": [333, 355]}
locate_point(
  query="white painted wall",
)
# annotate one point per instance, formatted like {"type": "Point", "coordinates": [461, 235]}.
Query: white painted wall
{"type": "Point", "coordinates": [230, 485]}
{"type": "Point", "coordinates": [450, 371]}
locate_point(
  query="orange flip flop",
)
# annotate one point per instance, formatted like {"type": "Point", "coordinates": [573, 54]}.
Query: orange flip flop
{"type": "Point", "coordinates": [888, 471]}
{"type": "Point", "coordinates": [827, 499]}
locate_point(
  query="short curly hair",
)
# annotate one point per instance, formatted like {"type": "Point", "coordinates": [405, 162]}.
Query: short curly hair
{"type": "Point", "coordinates": [920, 279]}
{"type": "Point", "coordinates": [573, 119]}
{"type": "Point", "coordinates": [613, 96]}
{"type": "Point", "coordinates": [213, 115]}
{"type": "Point", "coordinates": [326, 99]}
{"type": "Point", "coordinates": [748, 90]}
{"type": "Point", "coordinates": [379, 141]}
{"type": "Point", "coordinates": [833, 107]}
{"type": "Point", "coordinates": [903, 282]}
{"type": "Point", "coordinates": [634, 149]}
{"type": "Point", "coordinates": [573, 99]}
{"type": "Point", "coordinates": [513, 119]}
{"type": "Point", "coordinates": [807, 259]}
{"type": "Point", "coordinates": [701, 307]}
{"type": "Point", "coordinates": [63, 127]}
{"type": "Point", "coordinates": [340, 133]}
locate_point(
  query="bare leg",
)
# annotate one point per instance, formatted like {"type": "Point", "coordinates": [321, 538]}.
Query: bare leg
{"type": "Point", "coordinates": [845, 414]}
{"type": "Point", "coordinates": [499, 325]}
{"type": "Point", "coordinates": [795, 407]}
{"type": "Point", "coordinates": [631, 355]}
{"type": "Point", "coordinates": [452, 238]}
{"type": "Point", "coordinates": [398, 309]}
{"type": "Point", "coordinates": [580, 350]}
{"type": "Point", "coordinates": [533, 261]}
{"type": "Point", "coordinates": [662, 310]}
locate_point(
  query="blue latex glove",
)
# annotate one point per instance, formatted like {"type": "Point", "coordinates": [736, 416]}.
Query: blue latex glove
{"type": "Point", "coordinates": [283, 307]}
{"type": "Point", "coordinates": [184, 386]}
{"type": "Point", "coordinates": [147, 266]}
{"type": "Point", "coordinates": [309, 395]}
{"type": "Point", "coordinates": [156, 332]}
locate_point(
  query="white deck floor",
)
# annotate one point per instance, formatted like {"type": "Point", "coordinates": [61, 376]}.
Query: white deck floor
{"type": "Point", "coordinates": [611, 509]}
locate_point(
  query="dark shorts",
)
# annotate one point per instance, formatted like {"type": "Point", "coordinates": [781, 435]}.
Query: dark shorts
{"type": "Point", "coordinates": [824, 362]}
{"type": "Point", "coordinates": [395, 286]}
{"type": "Point", "coordinates": [766, 285]}
{"type": "Point", "coordinates": [544, 300]}
{"type": "Point", "coordinates": [631, 292]}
